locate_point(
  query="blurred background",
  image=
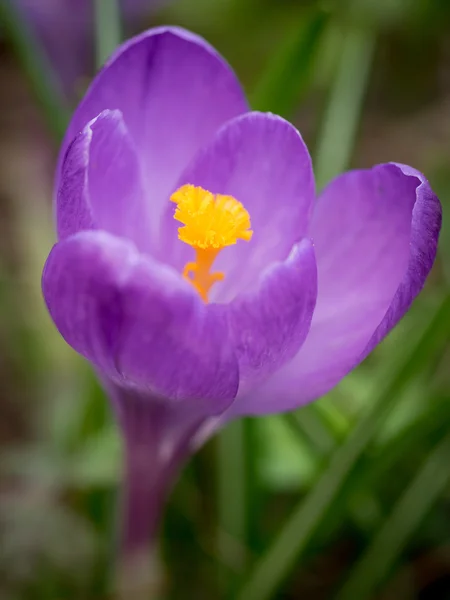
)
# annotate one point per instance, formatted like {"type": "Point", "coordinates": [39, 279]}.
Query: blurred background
{"type": "Point", "coordinates": [347, 499]}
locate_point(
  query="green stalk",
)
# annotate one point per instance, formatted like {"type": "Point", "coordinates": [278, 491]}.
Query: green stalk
{"type": "Point", "coordinates": [231, 481]}
{"type": "Point", "coordinates": [296, 533]}
{"type": "Point", "coordinates": [413, 435]}
{"type": "Point", "coordinates": [307, 424]}
{"type": "Point", "coordinates": [107, 29]}
{"type": "Point", "coordinates": [232, 495]}
{"type": "Point", "coordinates": [387, 545]}
{"type": "Point", "coordinates": [288, 74]}
{"type": "Point", "coordinates": [39, 72]}
{"type": "Point", "coordinates": [342, 114]}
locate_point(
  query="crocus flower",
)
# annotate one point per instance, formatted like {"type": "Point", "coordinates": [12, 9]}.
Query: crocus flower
{"type": "Point", "coordinates": [66, 30]}
{"type": "Point", "coordinates": [196, 268]}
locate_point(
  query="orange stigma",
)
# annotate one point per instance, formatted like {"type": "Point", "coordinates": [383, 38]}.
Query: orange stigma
{"type": "Point", "coordinates": [210, 222]}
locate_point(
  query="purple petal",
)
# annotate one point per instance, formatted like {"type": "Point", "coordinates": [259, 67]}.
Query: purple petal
{"type": "Point", "coordinates": [425, 228]}
{"type": "Point", "coordinates": [101, 184]}
{"type": "Point", "coordinates": [375, 234]}
{"type": "Point", "coordinates": [140, 323]}
{"type": "Point", "coordinates": [262, 161]}
{"type": "Point", "coordinates": [174, 91]}
{"type": "Point", "coordinates": [269, 325]}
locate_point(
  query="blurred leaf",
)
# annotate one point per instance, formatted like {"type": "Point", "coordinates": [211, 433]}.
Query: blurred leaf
{"type": "Point", "coordinates": [107, 29]}
{"type": "Point", "coordinates": [396, 454]}
{"type": "Point", "coordinates": [409, 407]}
{"type": "Point", "coordinates": [441, 184]}
{"type": "Point", "coordinates": [388, 543]}
{"type": "Point", "coordinates": [95, 463]}
{"type": "Point", "coordinates": [386, 454]}
{"type": "Point", "coordinates": [232, 494]}
{"type": "Point", "coordinates": [36, 529]}
{"type": "Point", "coordinates": [341, 119]}
{"type": "Point", "coordinates": [286, 78]}
{"type": "Point", "coordinates": [381, 12]}
{"type": "Point", "coordinates": [36, 66]}
{"type": "Point", "coordinates": [98, 463]}
{"type": "Point", "coordinates": [286, 461]}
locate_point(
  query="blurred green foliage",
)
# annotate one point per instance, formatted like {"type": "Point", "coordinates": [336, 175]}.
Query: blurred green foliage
{"type": "Point", "coordinates": [347, 498]}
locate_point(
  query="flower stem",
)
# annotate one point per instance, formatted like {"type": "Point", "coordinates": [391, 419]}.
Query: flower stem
{"type": "Point", "coordinates": [157, 435]}
{"type": "Point", "coordinates": [144, 489]}
{"type": "Point", "coordinates": [145, 483]}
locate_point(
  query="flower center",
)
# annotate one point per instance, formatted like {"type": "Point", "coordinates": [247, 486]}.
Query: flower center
{"type": "Point", "coordinates": [210, 222]}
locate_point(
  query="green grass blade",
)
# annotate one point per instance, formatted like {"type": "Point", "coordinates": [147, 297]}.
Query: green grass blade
{"type": "Point", "coordinates": [426, 426]}
{"type": "Point", "coordinates": [342, 115]}
{"type": "Point", "coordinates": [397, 529]}
{"type": "Point", "coordinates": [231, 479]}
{"type": "Point", "coordinates": [232, 488]}
{"type": "Point", "coordinates": [294, 536]}
{"type": "Point", "coordinates": [288, 74]}
{"type": "Point", "coordinates": [107, 29]}
{"type": "Point", "coordinates": [307, 424]}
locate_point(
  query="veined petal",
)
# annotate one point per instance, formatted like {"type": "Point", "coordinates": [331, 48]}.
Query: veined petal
{"type": "Point", "coordinates": [138, 322]}
{"type": "Point", "coordinates": [174, 91]}
{"type": "Point", "coordinates": [425, 227]}
{"type": "Point", "coordinates": [101, 183]}
{"type": "Point", "coordinates": [262, 161]}
{"type": "Point", "coordinates": [375, 234]}
{"type": "Point", "coordinates": [269, 325]}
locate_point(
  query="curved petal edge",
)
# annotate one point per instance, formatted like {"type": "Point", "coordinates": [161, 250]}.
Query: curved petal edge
{"type": "Point", "coordinates": [138, 322]}
{"type": "Point", "coordinates": [268, 326]}
{"type": "Point", "coordinates": [425, 228]}
{"type": "Point", "coordinates": [375, 233]}
{"type": "Point", "coordinates": [174, 91]}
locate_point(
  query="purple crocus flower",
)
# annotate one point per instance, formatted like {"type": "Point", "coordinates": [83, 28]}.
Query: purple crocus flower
{"type": "Point", "coordinates": [197, 270]}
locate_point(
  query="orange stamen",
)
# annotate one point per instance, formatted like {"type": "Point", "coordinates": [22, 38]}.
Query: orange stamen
{"type": "Point", "coordinates": [210, 222]}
